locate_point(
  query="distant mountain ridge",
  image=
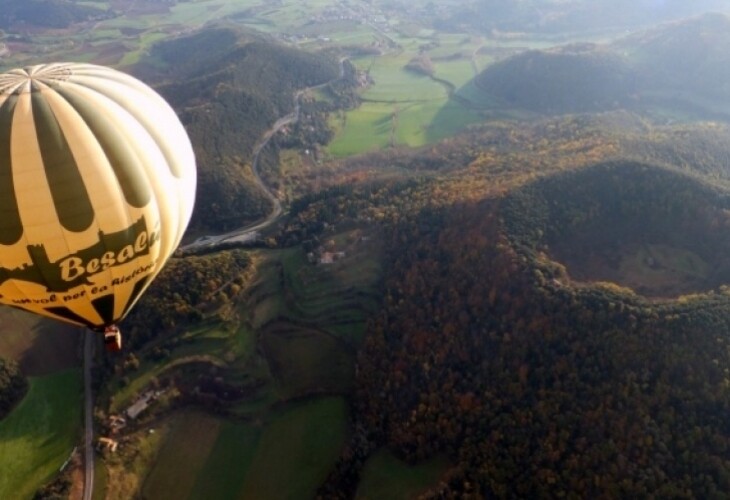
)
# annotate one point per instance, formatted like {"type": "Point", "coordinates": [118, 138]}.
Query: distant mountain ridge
{"type": "Point", "coordinates": [556, 16]}
{"type": "Point", "coordinates": [693, 54]}
{"type": "Point", "coordinates": [688, 61]}
{"type": "Point", "coordinates": [47, 13]}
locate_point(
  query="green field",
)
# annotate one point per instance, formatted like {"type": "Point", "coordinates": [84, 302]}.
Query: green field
{"type": "Point", "coordinates": [367, 128]}
{"type": "Point", "coordinates": [334, 300]}
{"type": "Point", "coordinates": [346, 33]}
{"type": "Point", "coordinates": [206, 457]}
{"type": "Point", "coordinates": [457, 71]}
{"type": "Point", "coordinates": [394, 83]}
{"type": "Point", "coordinates": [223, 473]}
{"type": "Point", "coordinates": [376, 125]}
{"type": "Point", "coordinates": [385, 477]}
{"type": "Point", "coordinates": [405, 108]}
{"type": "Point", "coordinates": [430, 122]}
{"type": "Point", "coordinates": [304, 360]}
{"type": "Point", "coordinates": [476, 96]}
{"type": "Point", "coordinates": [39, 435]}
{"type": "Point", "coordinates": [297, 450]}
{"type": "Point", "coordinates": [182, 456]}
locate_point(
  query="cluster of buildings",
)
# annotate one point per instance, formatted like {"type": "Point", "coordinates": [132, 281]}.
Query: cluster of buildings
{"type": "Point", "coordinates": [354, 13]}
{"type": "Point", "coordinates": [321, 256]}
{"type": "Point", "coordinates": [118, 422]}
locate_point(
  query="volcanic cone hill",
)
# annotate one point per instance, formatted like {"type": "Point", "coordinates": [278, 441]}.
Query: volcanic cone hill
{"type": "Point", "coordinates": [654, 230]}
{"type": "Point", "coordinates": [570, 79]}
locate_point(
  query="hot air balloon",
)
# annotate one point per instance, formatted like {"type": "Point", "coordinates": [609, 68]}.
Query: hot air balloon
{"type": "Point", "coordinates": [97, 184]}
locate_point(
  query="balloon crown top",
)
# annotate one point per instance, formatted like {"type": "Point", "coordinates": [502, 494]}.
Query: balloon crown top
{"type": "Point", "coordinates": [21, 80]}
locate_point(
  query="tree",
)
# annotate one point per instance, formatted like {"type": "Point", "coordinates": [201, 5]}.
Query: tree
{"type": "Point", "coordinates": [13, 386]}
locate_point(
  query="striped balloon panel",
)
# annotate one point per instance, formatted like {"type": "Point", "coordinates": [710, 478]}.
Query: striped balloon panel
{"type": "Point", "coordinates": [97, 184]}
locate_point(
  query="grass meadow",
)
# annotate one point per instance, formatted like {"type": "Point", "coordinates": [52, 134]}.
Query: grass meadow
{"type": "Point", "coordinates": [458, 72]}
{"type": "Point", "coordinates": [203, 456]}
{"type": "Point", "coordinates": [367, 128]}
{"type": "Point", "coordinates": [296, 450]}
{"type": "Point", "coordinates": [305, 360]}
{"type": "Point", "coordinates": [377, 125]}
{"type": "Point", "coordinates": [394, 83]}
{"type": "Point", "coordinates": [223, 473]}
{"type": "Point", "coordinates": [40, 433]}
{"type": "Point", "coordinates": [405, 108]}
{"type": "Point", "coordinates": [429, 122]}
{"type": "Point", "coordinates": [385, 477]}
{"type": "Point", "coordinates": [309, 337]}
{"type": "Point", "coordinates": [182, 456]}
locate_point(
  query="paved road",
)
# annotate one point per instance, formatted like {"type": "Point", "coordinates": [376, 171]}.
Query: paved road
{"type": "Point", "coordinates": [245, 232]}
{"type": "Point", "coordinates": [88, 414]}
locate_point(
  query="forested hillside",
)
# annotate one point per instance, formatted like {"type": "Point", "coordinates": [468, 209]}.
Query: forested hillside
{"type": "Point", "coordinates": [571, 79]}
{"type": "Point", "coordinates": [184, 291]}
{"type": "Point", "coordinates": [660, 232]}
{"type": "Point", "coordinates": [492, 350]}
{"type": "Point", "coordinates": [229, 88]}
{"type": "Point", "coordinates": [536, 388]}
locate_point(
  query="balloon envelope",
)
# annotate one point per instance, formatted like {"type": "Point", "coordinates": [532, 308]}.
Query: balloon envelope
{"type": "Point", "coordinates": [97, 185]}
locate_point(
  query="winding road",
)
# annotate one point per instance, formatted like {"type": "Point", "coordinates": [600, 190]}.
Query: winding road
{"type": "Point", "coordinates": [247, 232]}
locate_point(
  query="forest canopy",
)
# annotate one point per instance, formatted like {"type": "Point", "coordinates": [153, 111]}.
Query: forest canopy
{"type": "Point", "coordinates": [487, 349]}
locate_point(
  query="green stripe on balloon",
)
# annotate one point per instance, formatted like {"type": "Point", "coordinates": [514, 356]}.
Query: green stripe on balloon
{"type": "Point", "coordinates": [11, 227]}
{"type": "Point", "coordinates": [118, 148]}
{"type": "Point", "coordinates": [147, 121]}
{"type": "Point", "coordinates": [70, 197]}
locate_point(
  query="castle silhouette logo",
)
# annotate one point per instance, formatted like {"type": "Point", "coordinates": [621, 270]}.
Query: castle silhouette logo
{"type": "Point", "coordinates": [73, 270]}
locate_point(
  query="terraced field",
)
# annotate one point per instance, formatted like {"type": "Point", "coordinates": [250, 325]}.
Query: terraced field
{"type": "Point", "coordinates": [295, 333]}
